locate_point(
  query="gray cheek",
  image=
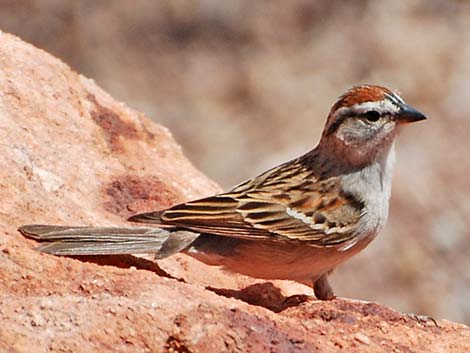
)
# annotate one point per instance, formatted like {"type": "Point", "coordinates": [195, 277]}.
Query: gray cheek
{"type": "Point", "coordinates": [353, 134]}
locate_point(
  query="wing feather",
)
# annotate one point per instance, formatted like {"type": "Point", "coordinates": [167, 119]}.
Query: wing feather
{"type": "Point", "coordinates": [284, 204]}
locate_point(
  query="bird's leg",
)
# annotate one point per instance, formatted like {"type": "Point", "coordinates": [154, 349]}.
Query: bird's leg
{"type": "Point", "coordinates": [322, 288]}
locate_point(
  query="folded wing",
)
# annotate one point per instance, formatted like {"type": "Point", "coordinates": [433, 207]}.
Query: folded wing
{"type": "Point", "coordinates": [283, 204]}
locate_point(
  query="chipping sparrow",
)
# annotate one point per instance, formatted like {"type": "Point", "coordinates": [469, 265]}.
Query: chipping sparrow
{"type": "Point", "coordinates": [297, 221]}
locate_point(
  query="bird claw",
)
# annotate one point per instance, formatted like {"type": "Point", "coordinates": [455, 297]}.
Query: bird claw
{"type": "Point", "coordinates": [296, 299]}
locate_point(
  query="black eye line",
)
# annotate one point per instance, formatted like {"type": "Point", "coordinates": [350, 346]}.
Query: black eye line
{"type": "Point", "coordinates": [333, 127]}
{"type": "Point", "coordinates": [348, 115]}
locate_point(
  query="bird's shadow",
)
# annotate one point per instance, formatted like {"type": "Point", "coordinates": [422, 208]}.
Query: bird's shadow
{"type": "Point", "coordinates": [266, 294]}
{"type": "Point", "coordinates": [126, 261]}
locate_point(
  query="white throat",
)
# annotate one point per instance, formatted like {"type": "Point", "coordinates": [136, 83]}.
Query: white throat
{"type": "Point", "coordinates": [372, 185]}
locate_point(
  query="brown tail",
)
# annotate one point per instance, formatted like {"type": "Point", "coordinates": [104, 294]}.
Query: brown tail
{"type": "Point", "coordinates": [64, 240]}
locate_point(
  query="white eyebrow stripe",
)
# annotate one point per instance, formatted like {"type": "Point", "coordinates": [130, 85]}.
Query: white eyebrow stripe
{"type": "Point", "coordinates": [382, 106]}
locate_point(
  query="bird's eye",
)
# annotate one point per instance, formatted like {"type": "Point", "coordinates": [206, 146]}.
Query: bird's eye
{"type": "Point", "coordinates": [372, 115]}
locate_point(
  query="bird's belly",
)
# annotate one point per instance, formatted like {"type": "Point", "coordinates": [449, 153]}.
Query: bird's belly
{"type": "Point", "coordinates": [268, 259]}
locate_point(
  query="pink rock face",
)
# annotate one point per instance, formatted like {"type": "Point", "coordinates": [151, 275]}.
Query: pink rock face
{"type": "Point", "coordinates": [70, 154]}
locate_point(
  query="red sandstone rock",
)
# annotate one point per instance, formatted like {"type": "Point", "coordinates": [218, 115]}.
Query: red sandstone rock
{"type": "Point", "coordinates": [70, 154]}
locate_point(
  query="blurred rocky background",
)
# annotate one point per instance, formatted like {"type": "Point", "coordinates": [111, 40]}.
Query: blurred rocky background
{"type": "Point", "coordinates": [244, 85]}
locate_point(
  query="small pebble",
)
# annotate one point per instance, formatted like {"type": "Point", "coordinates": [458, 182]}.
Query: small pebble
{"type": "Point", "coordinates": [361, 338]}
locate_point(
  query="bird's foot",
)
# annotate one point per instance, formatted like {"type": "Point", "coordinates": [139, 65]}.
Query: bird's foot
{"type": "Point", "coordinates": [296, 299]}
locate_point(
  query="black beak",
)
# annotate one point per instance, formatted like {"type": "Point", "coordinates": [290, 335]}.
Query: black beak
{"type": "Point", "coordinates": [409, 114]}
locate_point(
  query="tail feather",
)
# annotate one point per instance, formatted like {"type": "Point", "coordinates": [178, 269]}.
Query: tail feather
{"type": "Point", "coordinates": [101, 248]}
{"type": "Point", "coordinates": [64, 240]}
{"type": "Point", "coordinates": [65, 233]}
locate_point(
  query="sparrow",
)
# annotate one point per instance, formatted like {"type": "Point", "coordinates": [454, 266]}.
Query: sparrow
{"type": "Point", "coordinates": [296, 221]}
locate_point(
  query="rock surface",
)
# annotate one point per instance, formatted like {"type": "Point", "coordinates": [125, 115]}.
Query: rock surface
{"type": "Point", "coordinates": [70, 154]}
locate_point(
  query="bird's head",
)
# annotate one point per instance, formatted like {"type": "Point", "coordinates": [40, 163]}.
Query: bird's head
{"type": "Point", "coordinates": [363, 123]}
